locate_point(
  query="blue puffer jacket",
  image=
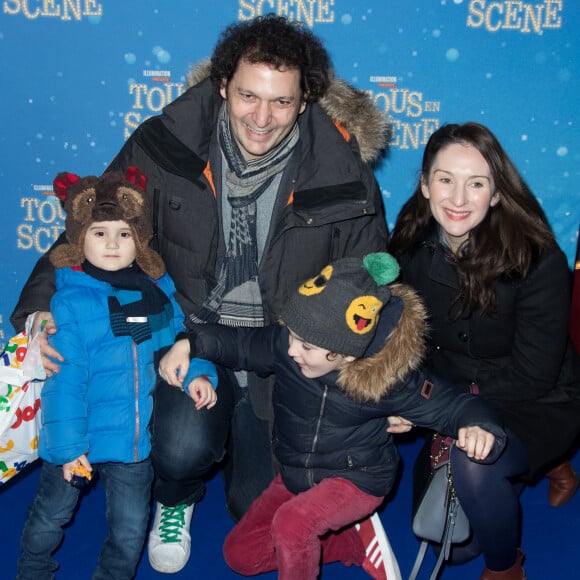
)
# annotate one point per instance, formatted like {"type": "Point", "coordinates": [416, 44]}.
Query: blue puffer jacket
{"type": "Point", "coordinates": [100, 402]}
{"type": "Point", "coordinates": [335, 425]}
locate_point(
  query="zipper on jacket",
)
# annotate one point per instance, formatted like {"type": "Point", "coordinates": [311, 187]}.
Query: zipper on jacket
{"type": "Point", "coordinates": [155, 211]}
{"type": "Point", "coordinates": [316, 433]}
{"type": "Point", "coordinates": [335, 245]}
{"type": "Point", "coordinates": [136, 394]}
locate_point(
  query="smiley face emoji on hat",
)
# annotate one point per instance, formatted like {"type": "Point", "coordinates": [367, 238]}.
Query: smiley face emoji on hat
{"type": "Point", "coordinates": [339, 308]}
{"type": "Point", "coordinates": [363, 313]}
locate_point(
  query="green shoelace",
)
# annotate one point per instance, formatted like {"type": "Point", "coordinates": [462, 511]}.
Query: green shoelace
{"type": "Point", "coordinates": [172, 523]}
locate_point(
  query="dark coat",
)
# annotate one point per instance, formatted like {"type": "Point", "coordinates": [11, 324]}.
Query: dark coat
{"type": "Point", "coordinates": [522, 360]}
{"type": "Point", "coordinates": [328, 204]}
{"type": "Point", "coordinates": [335, 426]}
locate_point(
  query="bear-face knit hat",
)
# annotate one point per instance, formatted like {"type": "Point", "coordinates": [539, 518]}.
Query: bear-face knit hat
{"type": "Point", "coordinates": [111, 197]}
{"type": "Point", "coordinates": [339, 308]}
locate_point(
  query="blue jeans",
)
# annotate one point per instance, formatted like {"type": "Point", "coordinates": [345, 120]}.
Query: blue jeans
{"type": "Point", "coordinates": [188, 445]}
{"type": "Point", "coordinates": [128, 494]}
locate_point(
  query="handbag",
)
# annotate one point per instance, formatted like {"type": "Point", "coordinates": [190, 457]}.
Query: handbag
{"type": "Point", "coordinates": [437, 514]}
{"type": "Point", "coordinates": [21, 380]}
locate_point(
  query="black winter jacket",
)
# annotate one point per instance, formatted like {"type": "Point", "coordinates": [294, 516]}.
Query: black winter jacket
{"type": "Point", "coordinates": [335, 426]}
{"type": "Point", "coordinates": [328, 206]}
{"type": "Point", "coordinates": [522, 360]}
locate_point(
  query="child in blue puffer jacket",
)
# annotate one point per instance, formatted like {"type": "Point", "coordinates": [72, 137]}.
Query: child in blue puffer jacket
{"type": "Point", "coordinates": [116, 316]}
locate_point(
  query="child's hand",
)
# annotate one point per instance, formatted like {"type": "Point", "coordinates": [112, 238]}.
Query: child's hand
{"type": "Point", "coordinates": [475, 441]}
{"type": "Point", "coordinates": [202, 392]}
{"type": "Point", "coordinates": [81, 465]}
{"type": "Point", "coordinates": [398, 424]}
{"type": "Point", "coordinates": [175, 363]}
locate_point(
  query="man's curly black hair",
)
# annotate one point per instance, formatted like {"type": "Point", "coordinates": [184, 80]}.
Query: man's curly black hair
{"type": "Point", "coordinates": [278, 42]}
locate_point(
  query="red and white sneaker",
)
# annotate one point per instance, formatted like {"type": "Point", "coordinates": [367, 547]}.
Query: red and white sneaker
{"type": "Point", "coordinates": [380, 562]}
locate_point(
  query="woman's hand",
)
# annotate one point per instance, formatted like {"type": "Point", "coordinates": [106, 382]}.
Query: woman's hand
{"type": "Point", "coordinates": [476, 442]}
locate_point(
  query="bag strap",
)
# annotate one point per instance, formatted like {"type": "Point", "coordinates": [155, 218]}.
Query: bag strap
{"type": "Point", "coordinates": [445, 542]}
{"type": "Point", "coordinates": [440, 459]}
{"type": "Point", "coordinates": [449, 526]}
{"type": "Point", "coordinates": [438, 566]}
{"type": "Point", "coordinates": [419, 559]}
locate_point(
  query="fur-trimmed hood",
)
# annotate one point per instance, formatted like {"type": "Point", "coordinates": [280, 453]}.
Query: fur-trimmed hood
{"type": "Point", "coordinates": [398, 348]}
{"type": "Point", "coordinates": [347, 106]}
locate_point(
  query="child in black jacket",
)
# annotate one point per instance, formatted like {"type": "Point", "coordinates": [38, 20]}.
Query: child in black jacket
{"type": "Point", "coordinates": [346, 357]}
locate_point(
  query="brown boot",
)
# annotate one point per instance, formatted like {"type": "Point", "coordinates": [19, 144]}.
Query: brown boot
{"type": "Point", "coordinates": [516, 572]}
{"type": "Point", "coordinates": [563, 484]}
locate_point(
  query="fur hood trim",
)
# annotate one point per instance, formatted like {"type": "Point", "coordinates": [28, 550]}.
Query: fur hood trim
{"type": "Point", "coordinates": [350, 108]}
{"type": "Point", "coordinates": [371, 378]}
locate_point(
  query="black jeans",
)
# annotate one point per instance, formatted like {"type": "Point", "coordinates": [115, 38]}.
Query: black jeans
{"type": "Point", "coordinates": [188, 446]}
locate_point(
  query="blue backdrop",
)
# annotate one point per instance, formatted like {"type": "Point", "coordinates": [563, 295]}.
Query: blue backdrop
{"type": "Point", "coordinates": [79, 75]}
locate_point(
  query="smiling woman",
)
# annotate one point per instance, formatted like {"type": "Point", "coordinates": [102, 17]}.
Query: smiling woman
{"type": "Point", "coordinates": [475, 242]}
{"type": "Point", "coordinates": [460, 190]}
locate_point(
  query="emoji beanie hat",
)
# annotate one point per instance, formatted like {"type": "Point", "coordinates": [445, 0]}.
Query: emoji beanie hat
{"type": "Point", "coordinates": [111, 197]}
{"type": "Point", "coordinates": [338, 309]}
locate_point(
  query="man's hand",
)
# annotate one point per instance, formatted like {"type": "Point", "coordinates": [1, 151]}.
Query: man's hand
{"type": "Point", "coordinates": [174, 365]}
{"type": "Point", "coordinates": [476, 442]}
{"type": "Point", "coordinates": [202, 392]}
{"type": "Point", "coordinates": [46, 351]}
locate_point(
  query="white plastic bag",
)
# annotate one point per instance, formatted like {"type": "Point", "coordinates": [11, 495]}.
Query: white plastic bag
{"type": "Point", "coordinates": [21, 380]}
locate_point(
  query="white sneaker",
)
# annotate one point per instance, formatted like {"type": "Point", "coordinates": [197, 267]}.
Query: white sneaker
{"type": "Point", "coordinates": [169, 539]}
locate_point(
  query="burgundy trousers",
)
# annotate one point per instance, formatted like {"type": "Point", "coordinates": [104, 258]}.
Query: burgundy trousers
{"type": "Point", "coordinates": [295, 533]}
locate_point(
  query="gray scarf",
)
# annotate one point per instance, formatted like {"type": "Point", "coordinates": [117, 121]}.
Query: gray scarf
{"type": "Point", "coordinates": [245, 182]}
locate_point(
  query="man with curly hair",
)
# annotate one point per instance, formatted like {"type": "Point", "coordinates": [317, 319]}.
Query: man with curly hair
{"type": "Point", "coordinates": [259, 174]}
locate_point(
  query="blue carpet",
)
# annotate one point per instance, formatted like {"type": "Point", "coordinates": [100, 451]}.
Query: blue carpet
{"type": "Point", "coordinates": [551, 537]}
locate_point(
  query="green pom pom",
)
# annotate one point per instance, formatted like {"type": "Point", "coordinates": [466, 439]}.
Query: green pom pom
{"type": "Point", "coordinates": [382, 267]}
